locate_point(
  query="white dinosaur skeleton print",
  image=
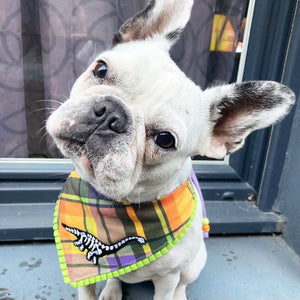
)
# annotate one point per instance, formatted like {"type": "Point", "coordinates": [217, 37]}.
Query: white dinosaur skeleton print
{"type": "Point", "coordinates": [96, 248]}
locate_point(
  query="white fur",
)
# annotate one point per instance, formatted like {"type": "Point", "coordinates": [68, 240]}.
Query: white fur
{"type": "Point", "coordinates": [156, 94]}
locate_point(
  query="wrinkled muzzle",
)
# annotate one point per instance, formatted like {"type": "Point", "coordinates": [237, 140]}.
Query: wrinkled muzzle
{"type": "Point", "coordinates": [99, 135]}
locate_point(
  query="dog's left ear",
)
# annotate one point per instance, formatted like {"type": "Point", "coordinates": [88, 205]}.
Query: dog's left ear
{"type": "Point", "coordinates": [238, 109]}
{"type": "Point", "coordinates": [161, 20]}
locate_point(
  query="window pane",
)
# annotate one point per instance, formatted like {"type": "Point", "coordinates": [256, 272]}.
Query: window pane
{"type": "Point", "coordinates": [45, 45]}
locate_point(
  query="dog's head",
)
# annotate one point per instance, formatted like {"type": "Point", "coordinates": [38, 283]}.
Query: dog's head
{"type": "Point", "coordinates": [133, 118]}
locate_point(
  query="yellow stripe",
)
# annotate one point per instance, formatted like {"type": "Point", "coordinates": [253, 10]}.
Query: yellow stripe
{"type": "Point", "coordinates": [138, 226]}
{"type": "Point", "coordinates": [74, 174]}
{"type": "Point", "coordinates": [162, 220]}
{"type": "Point", "coordinates": [70, 196]}
{"type": "Point", "coordinates": [91, 223]}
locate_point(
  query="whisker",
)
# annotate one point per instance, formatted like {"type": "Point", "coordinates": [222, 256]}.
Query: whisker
{"type": "Point", "coordinates": [43, 137]}
{"type": "Point", "coordinates": [46, 109]}
{"type": "Point", "coordinates": [65, 98]}
{"type": "Point", "coordinates": [38, 132]}
{"type": "Point", "coordinates": [56, 101]}
{"type": "Point", "coordinates": [49, 100]}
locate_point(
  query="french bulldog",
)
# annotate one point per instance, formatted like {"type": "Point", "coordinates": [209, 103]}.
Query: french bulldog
{"type": "Point", "coordinates": [134, 120]}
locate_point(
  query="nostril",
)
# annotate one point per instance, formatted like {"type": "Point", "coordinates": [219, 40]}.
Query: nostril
{"type": "Point", "coordinates": [99, 110]}
{"type": "Point", "coordinates": [110, 116]}
{"type": "Point", "coordinates": [114, 124]}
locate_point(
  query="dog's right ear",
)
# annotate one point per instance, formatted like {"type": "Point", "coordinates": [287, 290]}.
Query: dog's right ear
{"type": "Point", "coordinates": [162, 20]}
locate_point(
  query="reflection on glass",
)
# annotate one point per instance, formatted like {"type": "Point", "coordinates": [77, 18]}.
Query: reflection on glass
{"type": "Point", "coordinates": [45, 45]}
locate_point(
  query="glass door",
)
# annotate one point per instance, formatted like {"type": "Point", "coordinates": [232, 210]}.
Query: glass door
{"type": "Point", "coordinates": [46, 44]}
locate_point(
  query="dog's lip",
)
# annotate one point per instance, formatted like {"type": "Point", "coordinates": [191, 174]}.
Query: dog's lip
{"type": "Point", "coordinates": [66, 142]}
{"type": "Point", "coordinates": [76, 137]}
{"type": "Point", "coordinates": [65, 139]}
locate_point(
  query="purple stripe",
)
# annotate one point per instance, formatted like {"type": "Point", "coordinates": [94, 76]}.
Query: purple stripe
{"type": "Point", "coordinates": [197, 186]}
{"type": "Point", "coordinates": [125, 260]}
{"type": "Point", "coordinates": [96, 194]}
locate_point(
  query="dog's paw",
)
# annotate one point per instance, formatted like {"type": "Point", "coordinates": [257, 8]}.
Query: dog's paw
{"type": "Point", "coordinates": [112, 290]}
{"type": "Point", "coordinates": [110, 294]}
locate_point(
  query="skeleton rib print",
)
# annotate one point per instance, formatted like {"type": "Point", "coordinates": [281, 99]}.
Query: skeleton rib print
{"type": "Point", "coordinates": [96, 248]}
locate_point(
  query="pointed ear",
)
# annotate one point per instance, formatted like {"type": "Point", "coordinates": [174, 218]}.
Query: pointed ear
{"type": "Point", "coordinates": [238, 109]}
{"type": "Point", "coordinates": [161, 19]}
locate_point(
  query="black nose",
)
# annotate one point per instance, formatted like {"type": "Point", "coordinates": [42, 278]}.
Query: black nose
{"type": "Point", "coordinates": [111, 115]}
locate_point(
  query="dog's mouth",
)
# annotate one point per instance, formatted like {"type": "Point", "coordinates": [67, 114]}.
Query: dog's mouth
{"type": "Point", "coordinates": [110, 168]}
{"type": "Point", "coordinates": [87, 146]}
{"type": "Point", "coordinates": [73, 143]}
{"type": "Point", "coordinates": [102, 147]}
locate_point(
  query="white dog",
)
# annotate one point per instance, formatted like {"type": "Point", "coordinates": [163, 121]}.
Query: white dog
{"type": "Point", "coordinates": [131, 124]}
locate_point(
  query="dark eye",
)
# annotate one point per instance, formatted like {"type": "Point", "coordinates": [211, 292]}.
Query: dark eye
{"type": "Point", "coordinates": [100, 69]}
{"type": "Point", "coordinates": [165, 140]}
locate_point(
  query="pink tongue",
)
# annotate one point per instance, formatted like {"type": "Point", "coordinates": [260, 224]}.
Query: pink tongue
{"type": "Point", "coordinates": [86, 164]}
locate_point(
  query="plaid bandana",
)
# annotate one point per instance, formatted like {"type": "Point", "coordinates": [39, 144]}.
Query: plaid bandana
{"type": "Point", "coordinates": [98, 238]}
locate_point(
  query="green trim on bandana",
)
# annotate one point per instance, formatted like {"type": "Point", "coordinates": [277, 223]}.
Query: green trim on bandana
{"type": "Point", "coordinates": [98, 238]}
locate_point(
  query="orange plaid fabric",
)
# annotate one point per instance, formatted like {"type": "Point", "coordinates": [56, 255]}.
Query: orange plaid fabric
{"type": "Point", "coordinates": [98, 238]}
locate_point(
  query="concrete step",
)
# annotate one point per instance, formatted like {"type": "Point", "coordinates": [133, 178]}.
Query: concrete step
{"type": "Point", "coordinates": [238, 268]}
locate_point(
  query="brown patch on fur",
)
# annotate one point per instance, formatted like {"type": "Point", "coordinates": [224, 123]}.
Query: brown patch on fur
{"type": "Point", "coordinates": [140, 30]}
{"type": "Point", "coordinates": [229, 129]}
{"type": "Point", "coordinates": [142, 26]}
{"type": "Point", "coordinates": [248, 99]}
{"type": "Point", "coordinates": [226, 132]}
